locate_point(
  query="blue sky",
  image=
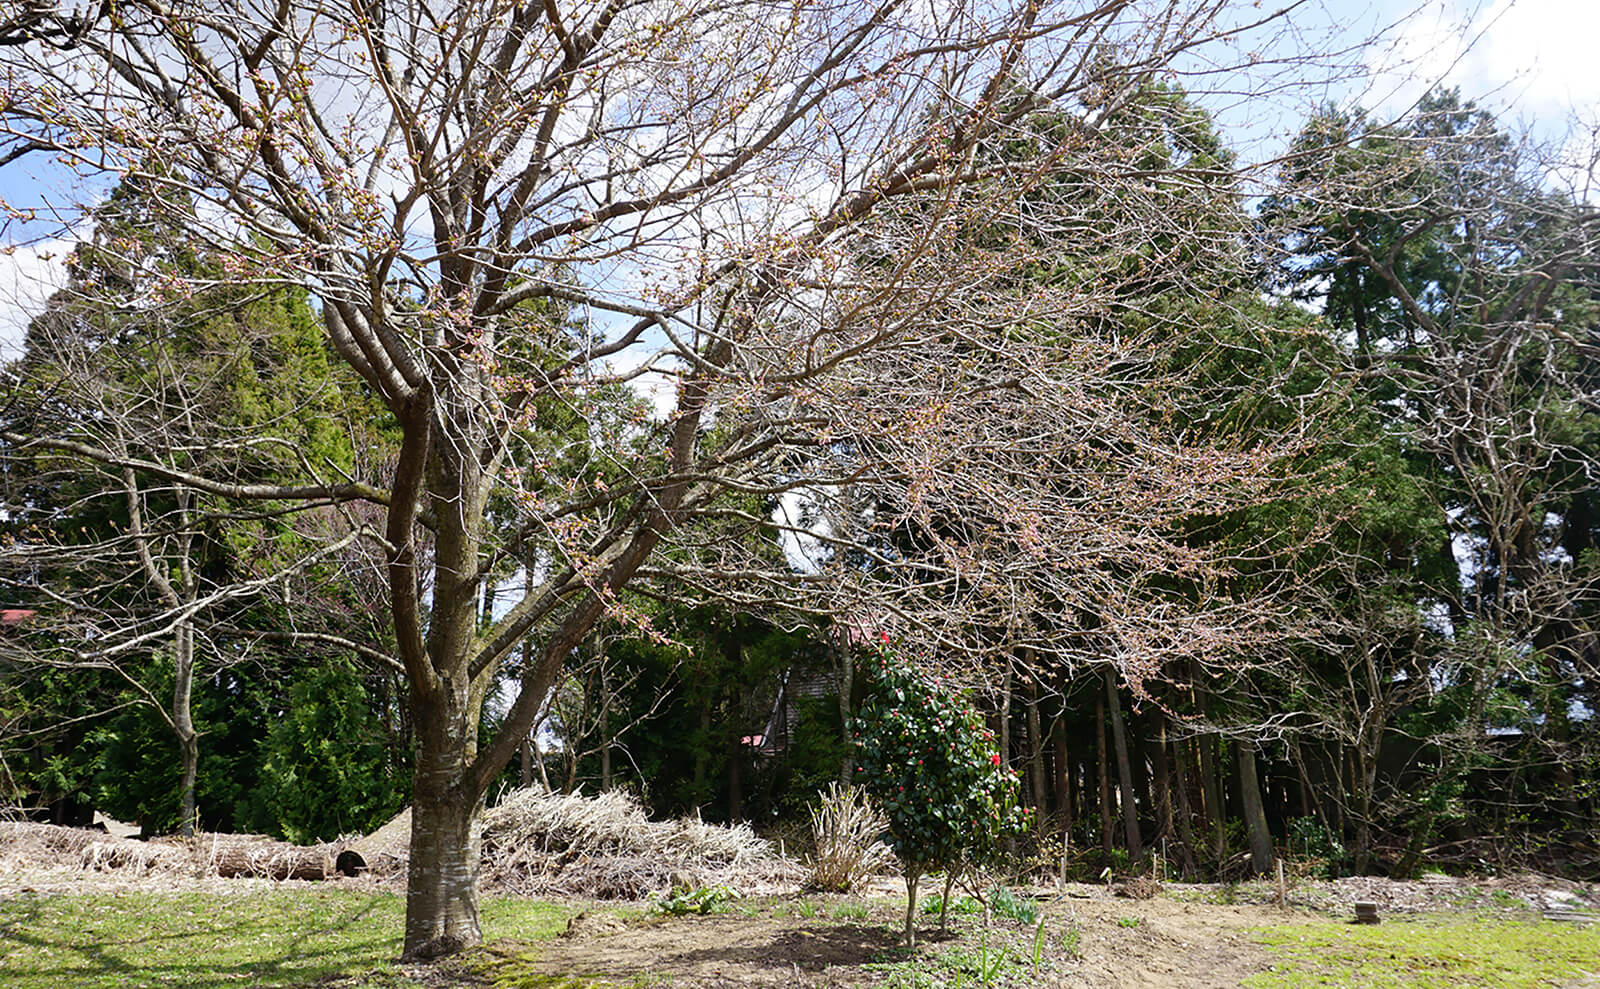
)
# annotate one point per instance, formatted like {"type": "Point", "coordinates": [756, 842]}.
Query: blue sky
{"type": "Point", "coordinates": [1532, 60]}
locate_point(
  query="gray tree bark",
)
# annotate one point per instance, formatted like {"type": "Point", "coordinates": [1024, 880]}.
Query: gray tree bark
{"type": "Point", "coordinates": [1103, 772]}
{"type": "Point", "coordinates": [1255, 816]}
{"type": "Point", "coordinates": [1119, 737]}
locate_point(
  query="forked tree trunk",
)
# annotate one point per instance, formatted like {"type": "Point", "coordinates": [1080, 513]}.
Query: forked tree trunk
{"type": "Point", "coordinates": [912, 876]}
{"type": "Point", "coordinates": [179, 599]}
{"type": "Point", "coordinates": [446, 818]}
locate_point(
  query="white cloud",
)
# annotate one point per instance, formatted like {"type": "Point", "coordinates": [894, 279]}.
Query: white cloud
{"type": "Point", "coordinates": [1534, 58]}
{"type": "Point", "coordinates": [29, 274]}
{"type": "Point", "coordinates": [1542, 51]}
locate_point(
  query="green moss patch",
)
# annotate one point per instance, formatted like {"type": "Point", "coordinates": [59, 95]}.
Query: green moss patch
{"type": "Point", "coordinates": [1429, 953]}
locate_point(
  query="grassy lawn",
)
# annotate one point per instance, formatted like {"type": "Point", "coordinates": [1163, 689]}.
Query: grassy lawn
{"type": "Point", "coordinates": [271, 937]}
{"type": "Point", "coordinates": [1437, 952]}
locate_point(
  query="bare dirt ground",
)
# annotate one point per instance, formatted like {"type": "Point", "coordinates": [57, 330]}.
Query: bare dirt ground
{"type": "Point", "coordinates": [1185, 938]}
{"type": "Point", "coordinates": [1120, 944]}
{"type": "Point", "coordinates": [1175, 944]}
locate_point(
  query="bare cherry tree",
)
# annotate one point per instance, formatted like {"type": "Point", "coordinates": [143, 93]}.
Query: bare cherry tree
{"type": "Point", "coordinates": [776, 219]}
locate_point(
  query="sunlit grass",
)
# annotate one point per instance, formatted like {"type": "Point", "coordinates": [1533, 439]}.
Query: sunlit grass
{"type": "Point", "coordinates": [262, 937]}
{"type": "Point", "coordinates": [1429, 953]}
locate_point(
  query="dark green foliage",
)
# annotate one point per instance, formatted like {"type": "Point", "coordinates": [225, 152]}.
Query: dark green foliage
{"type": "Point", "coordinates": [681, 711]}
{"type": "Point", "coordinates": [1309, 840]}
{"type": "Point", "coordinates": [817, 750]}
{"type": "Point", "coordinates": [703, 900]}
{"type": "Point", "coordinates": [1006, 903]}
{"type": "Point", "coordinates": [1456, 306]}
{"type": "Point", "coordinates": [133, 571]}
{"type": "Point", "coordinates": [304, 758]}
{"type": "Point", "coordinates": [931, 766]}
{"type": "Point", "coordinates": [328, 770]}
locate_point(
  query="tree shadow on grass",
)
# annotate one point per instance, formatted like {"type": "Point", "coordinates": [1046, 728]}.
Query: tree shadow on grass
{"type": "Point", "coordinates": [209, 951]}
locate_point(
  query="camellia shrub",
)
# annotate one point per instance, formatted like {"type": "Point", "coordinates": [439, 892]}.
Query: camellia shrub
{"type": "Point", "coordinates": [931, 766]}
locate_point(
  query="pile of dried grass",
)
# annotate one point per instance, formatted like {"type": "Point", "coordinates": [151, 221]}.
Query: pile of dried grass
{"type": "Point", "coordinates": [541, 843]}
{"type": "Point", "coordinates": [25, 844]}
{"type": "Point", "coordinates": [47, 846]}
{"type": "Point", "coordinates": [138, 857]}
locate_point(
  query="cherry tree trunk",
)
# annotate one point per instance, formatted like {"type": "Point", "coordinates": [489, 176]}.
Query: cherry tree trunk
{"type": "Point", "coordinates": [442, 881]}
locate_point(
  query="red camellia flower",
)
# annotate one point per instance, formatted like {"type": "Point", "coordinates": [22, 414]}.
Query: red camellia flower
{"type": "Point", "coordinates": [995, 758]}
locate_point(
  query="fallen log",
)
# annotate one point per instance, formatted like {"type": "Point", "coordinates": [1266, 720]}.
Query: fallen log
{"type": "Point", "coordinates": [264, 858]}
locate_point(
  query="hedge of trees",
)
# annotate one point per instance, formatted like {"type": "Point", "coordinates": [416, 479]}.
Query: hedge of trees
{"type": "Point", "coordinates": [609, 377]}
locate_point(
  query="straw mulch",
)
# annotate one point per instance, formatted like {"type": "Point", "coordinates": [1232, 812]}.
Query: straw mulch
{"type": "Point", "coordinates": [605, 847]}
{"type": "Point", "coordinates": [29, 845]}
